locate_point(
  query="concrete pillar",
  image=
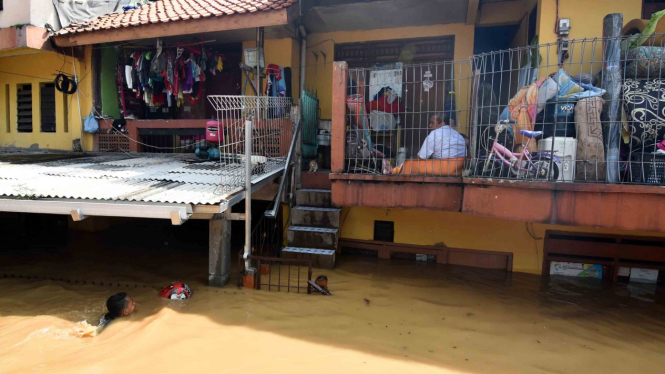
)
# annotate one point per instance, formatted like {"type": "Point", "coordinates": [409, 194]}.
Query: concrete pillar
{"type": "Point", "coordinates": [219, 251]}
{"type": "Point", "coordinates": [340, 82]}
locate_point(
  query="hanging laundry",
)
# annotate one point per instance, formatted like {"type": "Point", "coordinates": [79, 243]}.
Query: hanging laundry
{"type": "Point", "coordinates": [158, 64]}
{"type": "Point", "coordinates": [180, 100]}
{"type": "Point", "coordinates": [129, 76]}
{"type": "Point", "coordinates": [197, 72]}
{"type": "Point", "coordinates": [204, 59]}
{"type": "Point", "coordinates": [158, 99]}
{"type": "Point", "coordinates": [188, 78]}
{"type": "Point", "coordinates": [157, 84]}
{"type": "Point", "coordinates": [197, 90]}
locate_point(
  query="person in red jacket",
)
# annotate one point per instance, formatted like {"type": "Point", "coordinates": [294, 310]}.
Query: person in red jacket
{"type": "Point", "coordinates": [386, 101]}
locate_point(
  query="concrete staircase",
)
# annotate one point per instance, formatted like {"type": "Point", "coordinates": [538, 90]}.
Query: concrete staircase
{"type": "Point", "coordinates": [314, 230]}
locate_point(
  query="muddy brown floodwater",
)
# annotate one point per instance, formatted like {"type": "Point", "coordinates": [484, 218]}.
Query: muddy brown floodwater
{"type": "Point", "coordinates": [384, 317]}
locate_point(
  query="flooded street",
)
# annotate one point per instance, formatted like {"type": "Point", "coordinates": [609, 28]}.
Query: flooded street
{"type": "Point", "coordinates": [385, 316]}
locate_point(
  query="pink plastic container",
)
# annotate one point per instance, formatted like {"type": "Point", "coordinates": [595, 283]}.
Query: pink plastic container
{"type": "Point", "coordinates": [212, 132]}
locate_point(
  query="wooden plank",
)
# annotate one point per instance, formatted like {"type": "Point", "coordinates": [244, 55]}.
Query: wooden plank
{"type": "Point", "coordinates": [193, 26]}
{"type": "Point", "coordinates": [611, 251]}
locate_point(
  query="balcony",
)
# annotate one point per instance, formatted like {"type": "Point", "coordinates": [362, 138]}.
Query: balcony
{"type": "Point", "coordinates": [530, 134]}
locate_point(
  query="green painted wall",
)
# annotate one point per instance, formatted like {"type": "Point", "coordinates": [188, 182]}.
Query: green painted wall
{"type": "Point", "coordinates": [109, 90]}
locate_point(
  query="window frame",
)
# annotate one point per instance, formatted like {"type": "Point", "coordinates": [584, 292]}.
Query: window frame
{"type": "Point", "coordinates": [42, 86]}
{"type": "Point", "coordinates": [19, 88]}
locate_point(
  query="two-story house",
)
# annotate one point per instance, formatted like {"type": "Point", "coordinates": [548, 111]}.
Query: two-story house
{"type": "Point", "coordinates": [412, 156]}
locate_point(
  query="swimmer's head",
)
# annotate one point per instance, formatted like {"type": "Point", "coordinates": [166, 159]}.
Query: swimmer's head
{"type": "Point", "coordinates": [120, 305]}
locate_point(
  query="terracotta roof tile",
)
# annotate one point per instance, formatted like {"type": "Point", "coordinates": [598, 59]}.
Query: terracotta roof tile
{"type": "Point", "coordinates": [162, 11]}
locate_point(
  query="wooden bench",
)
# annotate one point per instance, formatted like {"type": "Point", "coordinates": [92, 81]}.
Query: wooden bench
{"type": "Point", "coordinates": [609, 251]}
{"type": "Point", "coordinates": [444, 255]}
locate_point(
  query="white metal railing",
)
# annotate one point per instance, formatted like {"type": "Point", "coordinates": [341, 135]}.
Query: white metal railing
{"type": "Point", "coordinates": [265, 121]}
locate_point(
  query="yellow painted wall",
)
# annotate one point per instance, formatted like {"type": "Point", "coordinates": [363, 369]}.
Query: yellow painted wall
{"type": "Point", "coordinates": [504, 13]}
{"type": "Point", "coordinates": [283, 52]}
{"type": "Point", "coordinates": [36, 68]}
{"type": "Point", "coordinates": [319, 73]}
{"type": "Point", "coordinates": [586, 19]}
{"type": "Point", "coordinates": [456, 230]}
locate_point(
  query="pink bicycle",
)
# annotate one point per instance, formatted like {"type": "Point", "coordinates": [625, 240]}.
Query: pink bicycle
{"type": "Point", "coordinates": [502, 163]}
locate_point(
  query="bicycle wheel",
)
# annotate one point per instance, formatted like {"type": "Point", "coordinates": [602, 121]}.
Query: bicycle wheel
{"type": "Point", "coordinates": [545, 169]}
{"type": "Point", "coordinates": [493, 170]}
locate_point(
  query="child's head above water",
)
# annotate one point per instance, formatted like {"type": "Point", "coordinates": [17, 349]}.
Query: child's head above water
{"type": "Point", "coordinates": [119, 305]}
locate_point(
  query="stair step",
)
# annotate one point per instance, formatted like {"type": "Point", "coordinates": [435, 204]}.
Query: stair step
{"type": "Point", "coordinates": [318, 209]}
{"type": "Point", "coordinates": [315, 216]}
{"type": "Point", "coordinates": [314, 229]}
{"type": "Point", "coordinates": [312, 237]}
{"type": "Point", "coordinates": [321, 258]}
{"type": "Point", "coordinates": [314, 197]}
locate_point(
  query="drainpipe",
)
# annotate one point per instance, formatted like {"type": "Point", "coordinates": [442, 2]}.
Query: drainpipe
{"type": "Point", "coordinates": [78, 100]}
{"type": "Point", "coordinates": [248, 151]}
{"type": "Point", "coordinates": [303, 55]}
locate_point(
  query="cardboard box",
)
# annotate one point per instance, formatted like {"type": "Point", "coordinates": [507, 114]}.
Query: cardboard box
{"type": "Point", "coordinates": [624, 272]}
{"type": "Point", "coordinates": [571, 269]}
{"type": "Point", "coordinates": [643, 275]}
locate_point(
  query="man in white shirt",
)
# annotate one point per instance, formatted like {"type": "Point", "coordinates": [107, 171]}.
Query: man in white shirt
{"type": "Point", "coordinates": [443, 141]}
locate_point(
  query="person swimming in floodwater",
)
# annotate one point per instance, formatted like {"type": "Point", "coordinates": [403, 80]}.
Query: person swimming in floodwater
{"type": "Point", "coordinates": [119, 305]}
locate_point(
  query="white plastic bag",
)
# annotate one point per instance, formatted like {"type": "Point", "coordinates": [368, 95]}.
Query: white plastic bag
{"type": "Point", "coordinates": [381, 121]}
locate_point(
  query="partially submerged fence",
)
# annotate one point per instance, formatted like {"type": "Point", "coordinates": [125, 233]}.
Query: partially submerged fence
{"type": "Point", "coordinates": [593, 112]}
{"type": "Point", "coordinates": [275, 274]}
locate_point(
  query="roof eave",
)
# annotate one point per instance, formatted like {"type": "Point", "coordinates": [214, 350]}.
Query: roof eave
{"type": "Point", "coordinates": [277, 17]}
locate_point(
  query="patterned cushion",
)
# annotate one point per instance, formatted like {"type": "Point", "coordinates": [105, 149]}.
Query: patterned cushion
{"type": "Point", "coordinates": [645, 62]}
{"type": "Point", "coordinates": [644, 104]}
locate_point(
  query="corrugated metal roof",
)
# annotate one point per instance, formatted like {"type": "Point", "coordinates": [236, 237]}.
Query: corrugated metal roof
{"type": "Point", "coordinates": [164, 179]}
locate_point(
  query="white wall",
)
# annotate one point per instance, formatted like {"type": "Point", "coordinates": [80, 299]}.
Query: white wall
{"type": "Point", "coordinates": [42, 12]}
{"type": "Point", "coordinates": [32, 12]}
{"type": "Point", "coordinates": [15, 12]}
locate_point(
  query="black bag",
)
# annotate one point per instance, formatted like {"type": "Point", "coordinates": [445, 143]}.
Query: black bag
{"type": "Point", "coordinates": [557, 118]}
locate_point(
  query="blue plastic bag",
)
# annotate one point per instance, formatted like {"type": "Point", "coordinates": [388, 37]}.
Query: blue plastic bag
{"type": "Point", "coordinates": [90, 124]}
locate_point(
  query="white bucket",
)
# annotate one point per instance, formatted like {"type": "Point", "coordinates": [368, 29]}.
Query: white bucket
{"type": "Point", "coordinates": [565, 149]}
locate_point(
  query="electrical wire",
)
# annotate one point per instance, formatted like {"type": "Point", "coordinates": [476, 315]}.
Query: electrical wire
{"type": "Point", "coordinates": [23, 75]}
{"type": "Point", "coordinates": [321, 42]}
{"type": "Point", "coordinates": [535, 241]}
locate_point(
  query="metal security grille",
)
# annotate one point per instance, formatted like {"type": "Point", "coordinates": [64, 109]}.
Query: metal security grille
{"type": "Point", "coordinates": [389, 111]}
{"type": "Point", "coordinates": [172, 140]}
{"type": "Point", "coordinates": [24, 107]}
{"type": "Point", "coordinates": [589, 110]}
{"type": "Point", "coordinates": [271, 134]}
{"type": "Point", "coordinates": [47, 106]}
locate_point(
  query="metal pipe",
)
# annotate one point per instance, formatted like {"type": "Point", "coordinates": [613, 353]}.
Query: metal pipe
{"type": "Point", "coordinates": [303, 56]}
{"type": "Point", "coordinates": [612, 83]}
{"type": "Point", "coordinates": [78, 100]}
{"type": "Point", "coordinates": [272, 213]}
{"type": "Point", "coordinates": [248, 189]}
